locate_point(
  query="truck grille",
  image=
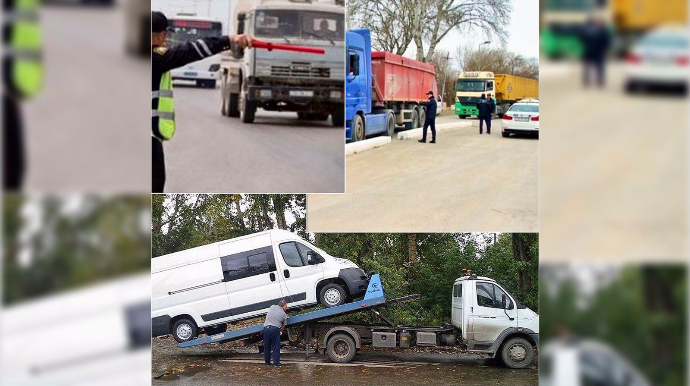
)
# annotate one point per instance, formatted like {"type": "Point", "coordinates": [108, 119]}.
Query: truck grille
{"type": "Point", "coordinates": [301, 70]}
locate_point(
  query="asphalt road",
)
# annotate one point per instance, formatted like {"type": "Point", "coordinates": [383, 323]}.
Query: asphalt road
{"type": "Point", "coordinates": [89, 128]}
{"type": "Point", "coordinates": [612, 170]}
{"type": "Point", "coordinates": [276, 154]}
{"type": "Point", "coordinates": [465, 182]}
{"type": "Point", "coordinates": [222, 365]}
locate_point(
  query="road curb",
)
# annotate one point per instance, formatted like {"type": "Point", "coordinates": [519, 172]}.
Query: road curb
{"type": "Point", "coordinates": [358, 147]}
{"type": "Point", "coordinates": [417, 133]}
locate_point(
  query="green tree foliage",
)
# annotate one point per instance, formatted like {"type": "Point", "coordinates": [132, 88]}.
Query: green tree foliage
{"type": "Point", "coordinates": [183, 221]}
{"type": "Point", "coordinates": [641, 313]}
{"type": "Point", "coordinates": [55, 243]}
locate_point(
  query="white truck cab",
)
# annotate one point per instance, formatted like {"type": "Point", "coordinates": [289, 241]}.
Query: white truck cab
{"type": "Point", "coordinates": [491, 320]}
{"type": "Point", "coordinates": [208, 286]}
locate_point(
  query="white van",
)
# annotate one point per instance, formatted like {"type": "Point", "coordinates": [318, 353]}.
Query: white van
{"type": "Point", "coordinates": [208, 286]}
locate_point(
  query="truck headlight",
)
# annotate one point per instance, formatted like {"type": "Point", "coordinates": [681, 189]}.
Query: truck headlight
{"type": "Point", "coordinates": [214, 67]}
{"type": "Point", "coordinates": [336, 94]}
{"type": "Point", "coordinates": [265, 93]}
{"type": "Point", "coordinates": [457, 99]}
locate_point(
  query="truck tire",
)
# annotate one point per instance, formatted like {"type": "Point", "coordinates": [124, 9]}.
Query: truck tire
{"type": "Point", "coordinates": [357, 128]}
{"type": "Point", "coordinates": [184, 330]}
{"type": "Point", "coordinates": [332, 295]}
{"type": "Point", "coordinates": [422, 117]}
{"type": "Point", "coordinates": [338, 117]}
{"type": "Point", "coordinates": [462, 116]}
{"type": "Point", "coordinates": [390, 125]}
{"type": "Point", "coordinates": [233, 106]}
{"type": "Point", "coordinates": [248, 111]}
{"type": "Point", "coordinates": [517, 353]}
{"type": "Point", "coordinates": [415, 120]}
{"type": "Point", "coordinates": [341, 348]}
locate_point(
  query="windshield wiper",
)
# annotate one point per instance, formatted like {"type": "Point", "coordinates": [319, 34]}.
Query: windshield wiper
{"type": "Point", "coordinates": [321, 37]}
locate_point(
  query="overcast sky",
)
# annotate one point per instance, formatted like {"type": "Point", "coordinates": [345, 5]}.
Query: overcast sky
{"type": "Point", "coordinates": [523, 33]}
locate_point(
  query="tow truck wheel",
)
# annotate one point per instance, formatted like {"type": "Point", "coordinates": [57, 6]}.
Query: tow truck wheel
{"type": "Point", "coordinates": [517, 353]}
{"type": "Point", "coordinates": [358, 127]}
{"type": "Point", "coordinates": [184, 330]}
{"type": "Point", "coordinates": [332, 295]}
{"type": "Point", "coordinates": [341, 348]}
{"type": "Point", "coordinates": [390, 124]}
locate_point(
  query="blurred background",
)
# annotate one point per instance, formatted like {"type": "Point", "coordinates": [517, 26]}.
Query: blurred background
{"type": "Point", "coordinates": [85, 127]}
{"type": "Point", "coordinates": [76, 290]}
{"type": "Point", "coordinates": [613, 324]}
{"type": "Point", "coordinates": [613, 153]}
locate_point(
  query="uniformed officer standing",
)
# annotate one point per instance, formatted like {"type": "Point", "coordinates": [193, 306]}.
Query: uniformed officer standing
{"type": "Point", "coordinates": [23, 78]}
{"type": "Point", "coordinates": [163, 60]}
{"type": "Point", "coordinates": [484, 114]}
{"type": "Point", "coordinates": [430, 119]}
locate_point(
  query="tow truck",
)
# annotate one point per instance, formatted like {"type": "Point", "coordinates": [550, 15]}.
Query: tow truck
{"type": "Point", "coordinates": [485, 319]}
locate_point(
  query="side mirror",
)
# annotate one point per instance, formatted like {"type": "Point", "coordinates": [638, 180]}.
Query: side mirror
{"type": "Point", "coordinates": [503, 301]}
{"type": "Point", "coordinates": [314, 258]}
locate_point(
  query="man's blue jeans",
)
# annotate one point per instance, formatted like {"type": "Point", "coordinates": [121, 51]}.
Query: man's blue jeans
{"type": "Point", "coordinates": [272, 343]}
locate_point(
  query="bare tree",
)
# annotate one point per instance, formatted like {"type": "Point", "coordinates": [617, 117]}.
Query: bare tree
{"type": "Point", "coordinates": [445, 75]}
{"type": "Point", "coordinates": [497, 60]}
{"type": "Point", "coordinates": [396, 24]}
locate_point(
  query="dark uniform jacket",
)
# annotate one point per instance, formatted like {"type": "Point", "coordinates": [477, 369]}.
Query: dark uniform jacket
{"type": "Point", "coordinates": [164, 59]}
{"type": "Point", "coordinates": [430, 108]}
{"type": "Point", "coordinates": [483, 107]}
{"type": "Point", "coordinates": [492, 105]}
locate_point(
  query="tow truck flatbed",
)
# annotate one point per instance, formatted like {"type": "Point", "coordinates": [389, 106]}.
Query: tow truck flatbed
{"type": "Point", "coordinates": [375, 297]}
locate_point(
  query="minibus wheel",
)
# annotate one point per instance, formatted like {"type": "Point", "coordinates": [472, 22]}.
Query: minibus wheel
{"type": "Point", "coordinates": [332, 295]}
{"type": "Point", "coordinates": [184, 330]}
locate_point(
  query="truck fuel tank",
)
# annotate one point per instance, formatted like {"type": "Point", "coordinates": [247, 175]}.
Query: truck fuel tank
{"type": "Point", "coordinates": [405, 338]}
{"type": "Point", "coordinates": [426, 338]}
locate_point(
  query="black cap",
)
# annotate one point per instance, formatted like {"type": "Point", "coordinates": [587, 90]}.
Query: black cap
{"type": "Point", "coordinates": [159, 22]}
{"type": "Point", "coordinates": [430, 92]}
{"type": "Point", "coordinates": [483, 96]}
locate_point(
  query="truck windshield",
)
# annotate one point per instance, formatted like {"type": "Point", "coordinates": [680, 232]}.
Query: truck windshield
{"type": "Point", "coordinates": [471, 85]}
{"type": "Point", "coordinates": [184, 31]}
{"type": "Point", "coordinates": [299, 24]}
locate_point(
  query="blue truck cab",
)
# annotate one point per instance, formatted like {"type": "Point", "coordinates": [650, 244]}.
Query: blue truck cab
{"type": "Point", "coordinates": [361, 118]}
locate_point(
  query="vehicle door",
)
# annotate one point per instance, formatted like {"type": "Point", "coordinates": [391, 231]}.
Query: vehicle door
{"type": "Point", "coordinates": [251, 281]}
{"type": "Point", "coordinates": [298, 274]}
{"type": "Point", "coordinates": [456, 306]}
{"type": "Point", "coordinates": [489, 318]}
{"type": "Point", "coordinates": [356, 81]}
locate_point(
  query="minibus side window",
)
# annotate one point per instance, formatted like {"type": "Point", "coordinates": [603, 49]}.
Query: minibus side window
{"type": "Point", "coordinates": [235, 267]}
{"type": "Point", "coordinates": [291, 254]}
{"type": "Point", "coordinates": [258, 264]}
{"type": "Point", "coordinates": [457, 291]}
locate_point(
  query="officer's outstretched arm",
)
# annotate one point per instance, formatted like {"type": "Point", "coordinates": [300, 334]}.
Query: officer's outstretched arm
{"type": "Point", "coordinates": [183, 54]}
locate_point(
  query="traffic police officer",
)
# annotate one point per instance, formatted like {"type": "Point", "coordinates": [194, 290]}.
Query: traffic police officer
{"type": "Point", "coordinates": [430, 119]}
{"type": "Point", "coordinates": [163, 60]}
{"type": "Point", "coordinates": [23, 77]}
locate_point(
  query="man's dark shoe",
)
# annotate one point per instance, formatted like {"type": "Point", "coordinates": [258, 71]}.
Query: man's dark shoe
{"type": "Point", "coordinates": [422, 141]}
{"type": "Point", "coordinates": [433, 141]}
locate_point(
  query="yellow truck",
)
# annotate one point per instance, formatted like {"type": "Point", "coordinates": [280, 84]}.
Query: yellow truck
{"type": "Point", "coordinates": [505, 89]}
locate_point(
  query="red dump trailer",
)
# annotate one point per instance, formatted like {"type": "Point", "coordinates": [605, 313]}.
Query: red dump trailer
{"type": "Point", "coordinates": [400, 79]}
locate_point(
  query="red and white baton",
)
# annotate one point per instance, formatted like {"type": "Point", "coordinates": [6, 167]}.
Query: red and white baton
{"type": "Point", "coordinates": [286, 47]}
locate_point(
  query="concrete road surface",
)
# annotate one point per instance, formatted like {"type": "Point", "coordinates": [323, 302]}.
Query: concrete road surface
{"type": "Point", "coordinates": [465, 182]}
{"type": "Point", "coordinates": [613, 170]}
{"type": "Point", "coordinates": [276, 154]}
{"type": "Point", "coordinates": [89, 128]}
{"type": "Point", "coordinates": [222, 365]}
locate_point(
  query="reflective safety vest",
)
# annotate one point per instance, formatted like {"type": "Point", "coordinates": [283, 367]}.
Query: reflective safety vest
{"type": "Point", "coordinates": [24, 47]}
{"type": "Point", "coordinates": [166, 107]}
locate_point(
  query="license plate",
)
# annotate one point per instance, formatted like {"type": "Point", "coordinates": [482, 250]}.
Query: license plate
{"type": "Point", "coordinates": [191, 73]}
{"type": "Point", "coordinates": [302, 93]}
{"type": "Point", "coordinates": [521, 119]}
